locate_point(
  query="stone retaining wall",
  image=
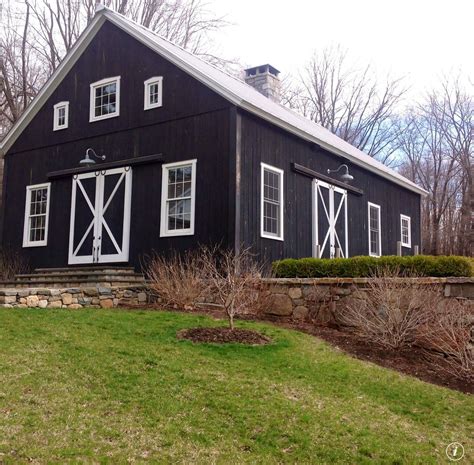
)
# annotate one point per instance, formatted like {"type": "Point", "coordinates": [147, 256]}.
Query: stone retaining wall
{"type": "Point", "coordinates": [316, 300]}
{"type": "Point", "coordinates": [77, 297]}
{"type": "Point", "coordinates": [312, 300]}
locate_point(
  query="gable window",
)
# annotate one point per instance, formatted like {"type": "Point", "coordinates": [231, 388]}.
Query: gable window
{"type": "Point", "coordinates": [61, 116]}
{"type": "Point", "coordinates": [153, 92]}
{"type": "Point", "coordinates": [105, 99]}
{"type": "Point", "coordinates": [271, 206]}
{"type": "Point", "coordinates": [35, 232]}
{"type": "Point", "coordinates": [375, 231]}
{"type": "Point", "coordinates": [405, 227]}
{"type": "Point", "coordinates": [178, 195]}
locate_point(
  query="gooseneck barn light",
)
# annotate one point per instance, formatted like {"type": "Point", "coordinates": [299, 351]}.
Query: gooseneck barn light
{"type": "Point", "coordinates": [88, 161]}
{"type": "Point", "coordinates": [346, 177]}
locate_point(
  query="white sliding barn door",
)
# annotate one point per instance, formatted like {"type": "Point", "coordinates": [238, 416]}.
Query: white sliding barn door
{"type": "Point", "coordinates": [329, 220]}
{"type": "Point", "coordinates": [100, 217]}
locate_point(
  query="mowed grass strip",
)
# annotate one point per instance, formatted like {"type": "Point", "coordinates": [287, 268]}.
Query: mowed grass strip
{"type": "Point", "coordinates": [96, 386]}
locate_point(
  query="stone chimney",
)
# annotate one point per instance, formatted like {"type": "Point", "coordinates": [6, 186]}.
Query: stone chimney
{"type": "Point", "coordinates": [265, 79]}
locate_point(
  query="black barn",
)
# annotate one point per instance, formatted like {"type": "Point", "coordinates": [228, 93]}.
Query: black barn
{"type": "Point", "coordinates": [193, 155]}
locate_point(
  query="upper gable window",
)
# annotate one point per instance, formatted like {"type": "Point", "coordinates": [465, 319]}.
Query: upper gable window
{"type": "Point", "coordinates": [153, 92]}
{"type": "Point", "coordinates": [61, 116]}
{"type": "Point", "coordinates": [105, 99]}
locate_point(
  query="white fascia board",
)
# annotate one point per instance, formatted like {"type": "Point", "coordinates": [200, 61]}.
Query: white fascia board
{"type": "Point", "coordinates": [52, 83]}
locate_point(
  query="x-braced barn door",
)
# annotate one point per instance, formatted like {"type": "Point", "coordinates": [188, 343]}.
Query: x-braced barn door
{"type": "Point", "coordinates": [329, 220]}
{"type": "Point", "coordinates": [100, 217]}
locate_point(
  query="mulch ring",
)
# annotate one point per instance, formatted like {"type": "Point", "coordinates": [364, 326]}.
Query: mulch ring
{"type": "Point", "coordinates": [413, 361]}
{"type": "Point", "coordinates": [221, 335]}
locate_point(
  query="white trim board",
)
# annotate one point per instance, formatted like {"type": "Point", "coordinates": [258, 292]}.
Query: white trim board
{"type": "Point", "coordinates": [229, 87]}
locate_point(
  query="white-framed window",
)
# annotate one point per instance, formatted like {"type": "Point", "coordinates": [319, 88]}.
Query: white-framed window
{"type": "Point", "coordinates": [35, 231]}
{"type": "Point", "coordinates": [375, 230]}
{"type": "Point", "coordinates": [271, 205]}
{"type": "Point", "coordinates": [61, 116]}
{"type": "Point", "coordinates": [105, 99]}
{"type": "Point", "coordinates": [405, 228]}
{"type": "Point", "coordinates": [178, 197]}
{"type": "Point", "coordinates": [153, 92]}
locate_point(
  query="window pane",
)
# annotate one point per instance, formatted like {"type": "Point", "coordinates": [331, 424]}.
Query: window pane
{"type": "Point", "coordinates": [271, 202]}
{"type": "Point", "coordinates": [105, 99]}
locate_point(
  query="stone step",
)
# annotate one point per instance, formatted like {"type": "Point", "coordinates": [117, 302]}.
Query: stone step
{"type": "Point", "coordinates": [92, 274]}
{"type": "Point", "coordinates": [86, 269]}
{"type": "Point", "coordinates": [75, 281]}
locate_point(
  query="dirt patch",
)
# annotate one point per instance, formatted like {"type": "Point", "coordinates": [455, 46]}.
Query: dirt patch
{"type": "Point", "coordinates": [223, 336]}
{"type": "Point", "coordinates": [413, 361]}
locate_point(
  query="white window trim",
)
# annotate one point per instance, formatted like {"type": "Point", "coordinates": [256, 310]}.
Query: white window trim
{"type": "Point", "coordinates": [266, 235]}
{"type": "Point", "coordinates": [100, 83]}
{"type": "Point", "coordinates": [164, 231]}
{"type": "Point", "coordinates": [147, 84]}
{"type": "Point", "coordinates": [370, 204]}
{"type": "Point", "coordinates": [26, 226]}
{"type": "Point", "coordinates": [408, 219]}
{"type": "Point", "coordinates": [56, 125]}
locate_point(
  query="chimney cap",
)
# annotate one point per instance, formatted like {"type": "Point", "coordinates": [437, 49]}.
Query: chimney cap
{"type": "Point", "coordinates": [262, 69]}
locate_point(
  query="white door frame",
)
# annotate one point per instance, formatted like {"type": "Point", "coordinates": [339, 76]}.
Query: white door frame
{"type": "Point", "coordinates": [332, 213]}
{"type": "Point", "coordinates": [98, 223]}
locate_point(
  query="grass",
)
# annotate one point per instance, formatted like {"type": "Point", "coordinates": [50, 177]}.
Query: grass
{"type": "Point", "coordinates": [93, 386]}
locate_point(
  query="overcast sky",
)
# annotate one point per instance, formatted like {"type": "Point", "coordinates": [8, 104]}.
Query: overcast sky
{"type": "Point", "coordinates": [419, 39]}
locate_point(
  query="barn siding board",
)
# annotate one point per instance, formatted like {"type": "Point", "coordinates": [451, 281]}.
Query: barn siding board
{"type": "Point", "coordinates": [263, 142]}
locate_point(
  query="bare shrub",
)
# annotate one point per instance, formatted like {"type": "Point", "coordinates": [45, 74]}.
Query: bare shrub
{"type": "Point", "coordinates": [448, 335]}
{"type": "Point", "coordinates": [11, 264]}
{"type": "Point", "coordinates": [235, 279]}
{"type": "Point", "coordinates": [179, 280]}
{"type": "Point", "coordinates": [392, 311]}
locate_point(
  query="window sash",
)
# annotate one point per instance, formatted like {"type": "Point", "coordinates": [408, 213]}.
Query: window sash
{"type": "Point", "coordinates": [271, 202]}
{"type": "Point", "coordinates": [375, 230]}
{"type": "Point", "coordinates": [178, 198]}
{"type": "Point", "coordinates": [36, 215]}
{"type": "Point", "coordinates": [61, 116]}
{"type": "Point", "coordinates": [153, 93]}
{"type": "Point", "coordinates": [104, 99]}
{"type": "Point", "coordinates": [405, 230]}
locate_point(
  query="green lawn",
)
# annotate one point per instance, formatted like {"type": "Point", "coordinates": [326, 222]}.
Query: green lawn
{"type": "Point", "coordinates": [99, 386]}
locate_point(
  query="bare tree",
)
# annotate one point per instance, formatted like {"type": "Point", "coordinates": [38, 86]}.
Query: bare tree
{"type": "Point", "coordinates": [234, 278]}
{"type": "Point", "coordinates": [349, 101]}
{"type": "Point", "coordinates": [436, 141]}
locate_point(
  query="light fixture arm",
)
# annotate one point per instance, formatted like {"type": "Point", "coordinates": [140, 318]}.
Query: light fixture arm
{"type": "Point", "coordinates": [91, 150]}
{"type": "Point", "coordinates": [336, 170]}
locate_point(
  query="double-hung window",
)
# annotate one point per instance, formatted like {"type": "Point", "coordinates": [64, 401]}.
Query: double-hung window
{"type": "Point", "coordinates": [105, 99]}
{"type": "Point", "coordinates": [375, 231]}
{"type": "Point", "coordinates": [178, 198]}
{"type": "Point", "coordinates": [153, 92]}
{"type": "Point", "coordinates": [405, 227]}
{"type": "Point", "coordinates": [61, 116]}
{"type": "Point", "coordinates": [271, 206]}
{"type": "Point", "coordinates": [35, 232]}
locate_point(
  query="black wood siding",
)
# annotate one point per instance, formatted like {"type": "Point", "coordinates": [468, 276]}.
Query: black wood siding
{"type": "Point", "coordinates": [193, 123]}
{"type": "Point", "coordinates": [263, 142]}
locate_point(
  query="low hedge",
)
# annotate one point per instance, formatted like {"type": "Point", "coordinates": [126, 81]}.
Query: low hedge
{"type": "Point", "coordinates": [363, 266]}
